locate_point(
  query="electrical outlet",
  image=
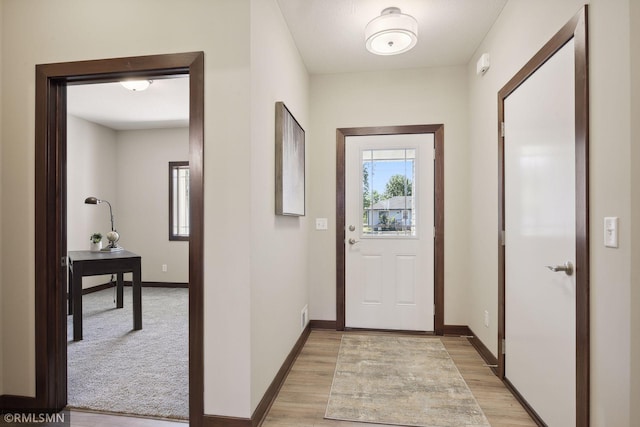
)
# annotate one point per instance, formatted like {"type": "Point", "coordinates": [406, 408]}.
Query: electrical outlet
{"type": "Point", "coordinates": [486, 318]}
{"type": "Point", "coordinates": [164, 268]}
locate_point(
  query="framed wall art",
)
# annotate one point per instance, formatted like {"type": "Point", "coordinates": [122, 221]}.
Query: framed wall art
{"type": "Point", "coordinates": [290, 164]}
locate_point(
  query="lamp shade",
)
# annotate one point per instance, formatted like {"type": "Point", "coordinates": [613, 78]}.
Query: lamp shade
{"type": "Point", "coordinates": [391, 33]}
{"type": "Point", "coordinates": [136, 85]}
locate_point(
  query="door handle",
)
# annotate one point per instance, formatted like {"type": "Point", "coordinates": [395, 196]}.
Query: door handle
{"type": "Point", "coordinates": [353, 241]}
{"type": "Point", "coordinates": [567, 268]}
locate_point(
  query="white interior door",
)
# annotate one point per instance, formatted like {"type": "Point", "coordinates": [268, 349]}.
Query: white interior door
{"type": "Point", "coordinates": [389, 211]}
{"type": "Point", "coordinates": [540, 304]}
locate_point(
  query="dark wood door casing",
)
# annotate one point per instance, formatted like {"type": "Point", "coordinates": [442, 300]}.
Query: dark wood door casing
{"type": "Point", "coordinates": [50, 213]}
{"type": "Point", "coordinates": [438, 132]}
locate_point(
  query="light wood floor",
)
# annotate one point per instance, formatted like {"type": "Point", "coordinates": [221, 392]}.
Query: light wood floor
{"type": "Point", "coordinates": [303, 397]}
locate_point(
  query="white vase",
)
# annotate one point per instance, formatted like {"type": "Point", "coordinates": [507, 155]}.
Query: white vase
{"type": "Point", "coordinates": [96, 246]}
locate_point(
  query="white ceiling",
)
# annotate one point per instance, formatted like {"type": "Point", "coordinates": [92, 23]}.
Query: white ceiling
{"type": "Point", "coordinates": [329, 35]}
{"type": "Point", "coordinates": [164, 105]}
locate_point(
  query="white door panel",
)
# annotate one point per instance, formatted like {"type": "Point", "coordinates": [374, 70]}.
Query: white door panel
{"type": "Point", "coordinates": [389, 280]}
{"type": "Point", "coordinates": [371, 273]}
{"type": "Point", "coordinates": [540, 305]}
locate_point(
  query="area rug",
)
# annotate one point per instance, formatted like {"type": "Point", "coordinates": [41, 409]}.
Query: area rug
{"type": "Point", "coordinates": [400, 380]}
{"type": "Point", "coordinates": [117, 369]}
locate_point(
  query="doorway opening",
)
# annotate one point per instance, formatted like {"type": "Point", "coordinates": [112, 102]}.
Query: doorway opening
{"type": "Point", "coordinates": [438, 214]}
{"type": "Point", "coordinates": [119, 143]}
{"type": "Point", "coordinates": [51, 212]}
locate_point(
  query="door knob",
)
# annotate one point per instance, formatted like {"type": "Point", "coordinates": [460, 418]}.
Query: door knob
{"type": "Point", "coordinates": [567, 268]}
{"type": "Point", "coordinates": [353, 241]}
{"type": "Point", "coordinates": [352, 228]}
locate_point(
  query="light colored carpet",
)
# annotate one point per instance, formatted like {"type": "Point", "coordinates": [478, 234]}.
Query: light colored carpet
{"type": "Point", "coordinates": [117, 369]}
{"type": "Point", "coordinates": [408, 381]}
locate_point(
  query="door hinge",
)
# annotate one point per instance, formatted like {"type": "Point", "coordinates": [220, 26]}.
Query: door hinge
{"type": "Point", "coordinates": [502, 129]}
{"type": "Point", "coordinates": [434, 153]}
{"type": "Point", "coordinates": [504, 346]}
{"type": "Point", "coordinates": [503, 238]}
{"type": "Point", "coordinates": [63, 261]}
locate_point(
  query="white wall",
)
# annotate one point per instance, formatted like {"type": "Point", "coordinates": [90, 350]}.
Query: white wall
{"type": "Point", "coordinates": [610, 169]}
{"type": "Point", "coordinates": [91, 150]}
{"type": "Point", "coordinates": [142, 212]}
{"type": "Point", "coordinates": [130, 170]}
{"type": "Point", "coordinates": [522, 29]}
{"type": "Point", "coordinates": [279, 246]}
{"type": "Point", "coordinates": [70, 30]}
{"type": "Point", "coordinates": [635, 211]}
{"type": "Point", "coordinates": [402, 97]}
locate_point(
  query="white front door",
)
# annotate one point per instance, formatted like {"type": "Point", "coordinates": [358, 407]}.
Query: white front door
{"type": "Point", "coordinates": [389, 245]}
{"type": "Point", "coordinates": [540, 304]}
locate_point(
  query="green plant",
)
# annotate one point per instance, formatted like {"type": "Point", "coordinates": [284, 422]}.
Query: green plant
{"type": "Point", "coordinates": [96, 237]}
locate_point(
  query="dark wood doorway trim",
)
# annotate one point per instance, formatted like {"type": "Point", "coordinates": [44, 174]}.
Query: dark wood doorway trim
{"type": "Point", "coordinates": [51, 213]}
{"type": "Point", "coordinates": [341, 134]}
{"type": "Point", "coordinates": [575, 29]}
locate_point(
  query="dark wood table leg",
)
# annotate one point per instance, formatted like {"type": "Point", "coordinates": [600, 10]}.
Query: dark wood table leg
{"type": "Point", "coordinates": [76, 290]}
{"type": "Point", "coordinates": [137, 297]}
{"type": "Point", "coordinates": [119, 290]}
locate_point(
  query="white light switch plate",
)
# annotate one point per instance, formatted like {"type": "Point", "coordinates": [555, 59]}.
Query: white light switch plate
{"type": "Point", "coordinates": [611, 232]}
{"type": "Point", "coordinates": [322, 224]}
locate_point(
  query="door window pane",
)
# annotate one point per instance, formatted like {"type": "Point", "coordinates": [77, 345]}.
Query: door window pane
{"type": "Point", "coordinates": [388, 201]}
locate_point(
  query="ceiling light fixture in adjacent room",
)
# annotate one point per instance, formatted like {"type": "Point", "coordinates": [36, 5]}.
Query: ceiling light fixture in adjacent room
{"type": "Point", "coordinates": [391, 33]}
{"type": "Point", "coordinates": [136, 85]}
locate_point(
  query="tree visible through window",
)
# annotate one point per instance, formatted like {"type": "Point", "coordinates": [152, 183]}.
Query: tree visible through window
{"type": "Point", "coordinates": [388, 201]}
{"type": "Point", "coordinates": [178, 200]}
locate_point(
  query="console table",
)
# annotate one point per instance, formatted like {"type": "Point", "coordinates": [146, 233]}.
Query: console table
{"type": "Point", "coordinates": [90, 263]}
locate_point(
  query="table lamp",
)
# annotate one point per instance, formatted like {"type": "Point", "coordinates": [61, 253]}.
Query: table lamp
{"type": "Point", "coordinates": [113, 235]}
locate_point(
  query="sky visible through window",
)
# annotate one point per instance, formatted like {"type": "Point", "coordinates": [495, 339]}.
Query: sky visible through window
{"type": "Point", "coordinates": [380, 165]}
{"type": "Point", "coordinates": [383, 170]}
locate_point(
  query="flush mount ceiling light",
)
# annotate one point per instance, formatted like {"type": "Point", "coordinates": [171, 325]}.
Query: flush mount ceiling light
{"type": "Point", "coordinates": [391, 33]}
{"type": "Point", "coordinates": [136, 85]}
